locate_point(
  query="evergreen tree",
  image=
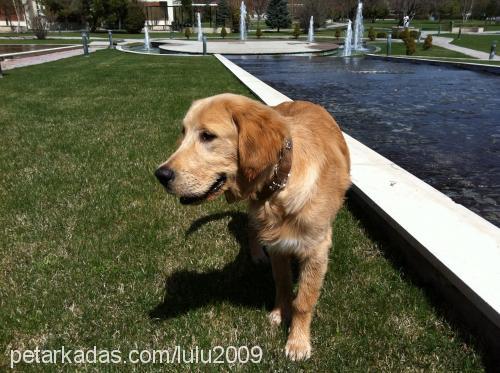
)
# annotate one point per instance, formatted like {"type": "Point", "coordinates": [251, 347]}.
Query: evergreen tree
{"type": "Point", "coordinates": [277, 14]}
{"type": "Point", "coordinates": [135, 17]}
{"type": "Point", "coordinates": [223, 13]}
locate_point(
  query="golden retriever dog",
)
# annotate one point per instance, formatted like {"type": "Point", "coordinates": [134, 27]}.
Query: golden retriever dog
{"type": "Point", "coordinates": [292, 164]}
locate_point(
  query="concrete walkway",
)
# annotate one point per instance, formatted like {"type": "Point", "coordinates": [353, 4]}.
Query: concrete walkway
{"type": "Point", "coordinates": [36, 60]}
{"type": "Point", "coordinates": [446, 43]}
{"type": "Point", "coordinates": [244, 47]}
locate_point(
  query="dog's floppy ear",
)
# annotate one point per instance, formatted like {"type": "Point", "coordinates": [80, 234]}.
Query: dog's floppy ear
{"type": "Point", "coordinates": [261, 133]}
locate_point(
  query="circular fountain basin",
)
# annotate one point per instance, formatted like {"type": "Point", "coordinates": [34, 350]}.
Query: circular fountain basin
{"type": "Point", "coordinates": [237, 47]}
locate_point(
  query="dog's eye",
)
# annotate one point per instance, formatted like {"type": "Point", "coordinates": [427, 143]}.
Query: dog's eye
{"type": "Point", "coordinates": [183, 131]}
{"type": "Point", "coordinates": [206, 136]}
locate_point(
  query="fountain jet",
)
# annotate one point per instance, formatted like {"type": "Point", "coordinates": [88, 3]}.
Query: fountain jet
{"type": "Point", "coordinates": [348, 40]}
{"type": "Point", "coordinates": [146, 38]}
{"type": "Point", "coordinates": [243, 22]}
{"type": "Point", "coordinates": [310, 35]}
{"type": "Point", "coordinates": [358, 28]}
{"type": "Point", "coordinates": [200, 31]}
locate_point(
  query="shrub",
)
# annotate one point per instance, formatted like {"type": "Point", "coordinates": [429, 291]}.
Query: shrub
{"type": "Point", "coordinates": [40, 27]}
{"type": "Point", "coordinates": [411, 47]}
{"type": "Point", "coordinates": [414, 34]}
{"type": "Point", "coordinates": [381, 34]}
{"type": "Point", "coordinates": [396, 34]}
{"type": "Point", "coordinates": [258, 32]}
{"type": "Point", "coordinates": [405, 34]}
{"type": "Point", "coordinates": [371, 34]}
{"type": "Point", "coordinates": [188, 32]}
{"type": "Point", "coordinates": [223, 32]}
{"type": "Point", "coordinates": [337, 33]}
{"type": "Point", "coordinates": [135, 18]}
{"type": "Point", "coordinates": [428, 42]}
{"type": "Point", "coordinates": [296, 31]}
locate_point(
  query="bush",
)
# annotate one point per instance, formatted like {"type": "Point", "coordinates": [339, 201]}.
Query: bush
{"type": "Point", "coordinates": [134, 22]}
{"type": "Point", "coordinates": [296, 31]}
{"type": "Point", "coordinates": [428, 42]}
{"type": "Point", "coordinates": [223, 32]}
{"type": "Point", "coordinates": [337, 33]}
{"type": "Point", "coordinates": [414, 34]}
{"type": "Point", "coordinates": [188, 32]}
{"type": "Point", "coordinates": [40, 27]}
{"type": "Point", "coordinates": [411, 47]}
{"type": "Point", "coordinates": [371, 34]}
{"type": "Point", "coordinates": [381, 35]}
{"type": "Point", "coordinates": [396, 34]}
{"type": "Point", "coordinates": [405, 34]}
{"type": "Point", "coordinates": [258, 32]}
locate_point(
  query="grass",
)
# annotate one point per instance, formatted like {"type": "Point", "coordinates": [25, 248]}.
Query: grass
{"type": "Point", "coordinates": [478, 42]}
{"type": "Point", "coordinates": [93, 251]}
{"type": "Point", "coordinates": [398, 49]}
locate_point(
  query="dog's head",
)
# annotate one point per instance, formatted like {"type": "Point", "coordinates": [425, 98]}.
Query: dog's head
{"type": "Point", "coordinates": [229, 142]}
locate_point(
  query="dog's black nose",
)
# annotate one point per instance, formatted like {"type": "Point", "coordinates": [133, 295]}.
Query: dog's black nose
{"type": "Point", "coordinates": [164, 175]}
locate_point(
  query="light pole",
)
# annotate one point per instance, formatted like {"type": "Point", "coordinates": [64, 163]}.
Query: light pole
{"type": "Point", "coordinates": [493, 51]}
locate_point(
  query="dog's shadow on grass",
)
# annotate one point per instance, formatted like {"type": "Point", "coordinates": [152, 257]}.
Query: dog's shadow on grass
{"type": "Point", "coordinates": [240, 282]}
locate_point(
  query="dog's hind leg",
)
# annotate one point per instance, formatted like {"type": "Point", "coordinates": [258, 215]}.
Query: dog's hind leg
{"type": "Point", "coordinates": [282, 274]}
{"type": "Point", "coordinates": [312, 274]}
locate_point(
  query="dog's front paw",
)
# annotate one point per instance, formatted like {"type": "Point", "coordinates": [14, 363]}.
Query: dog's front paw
{"type": "Point", "coordinates": [275, 317]}
{"type": "Point", "coordinates": [258, 255]}
{"type": "Point", "coordinates": [298, 349]}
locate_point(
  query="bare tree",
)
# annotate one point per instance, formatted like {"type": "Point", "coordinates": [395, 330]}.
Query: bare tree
{"type": "Point", "coordinates": [405, 8]}
{"type": "Point", "coordinates": [258, 7]}
{"type": "Point", "coordinates": [466, 9]}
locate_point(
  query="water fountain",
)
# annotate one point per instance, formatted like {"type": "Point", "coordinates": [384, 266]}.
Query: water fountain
{"type": "Point", "coordinates": [146, 38]}
{"type": "Point", "coordinates": [200, 31]}
{"type": "Point", "coordinates": [310, 35]}
{"type": "Point", "coordinates": [358, 28]}
{"type": "Point", "coordinates": [348, 40]}
{"type": "Point", "coordinates": [243, 22]}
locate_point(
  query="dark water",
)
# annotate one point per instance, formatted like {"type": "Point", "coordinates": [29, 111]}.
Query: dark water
{"type": "Point", "coordinates": [441, 124]}
{"type": "Point", "coordinates": [10, 48]}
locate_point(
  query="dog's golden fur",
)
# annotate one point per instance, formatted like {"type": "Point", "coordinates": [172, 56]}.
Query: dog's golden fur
{"type": "Point", "coordinates": [294, 221]}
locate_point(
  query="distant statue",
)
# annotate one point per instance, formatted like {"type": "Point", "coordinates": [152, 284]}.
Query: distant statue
{"type": "Point", "coordinates": [406, 21]}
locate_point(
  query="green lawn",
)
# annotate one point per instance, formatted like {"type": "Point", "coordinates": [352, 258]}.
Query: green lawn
{"type": "Point", "coordinates": [94, 252]}
{"type": "Point", "coordinates": [400, 49]}
{"type": "Point", "coordinates": [478, 42]}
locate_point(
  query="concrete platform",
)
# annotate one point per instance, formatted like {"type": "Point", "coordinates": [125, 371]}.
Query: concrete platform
{"type": "Point", "coordinates": [236, 47]}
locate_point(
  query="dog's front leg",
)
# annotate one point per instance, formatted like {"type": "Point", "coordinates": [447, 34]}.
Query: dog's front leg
{"type": "Point", "coordinates": [257, 252]}
{"type": "Point", "coordinates": [312, 273]}
{"type": "Point", "coordinates": [282, 274]}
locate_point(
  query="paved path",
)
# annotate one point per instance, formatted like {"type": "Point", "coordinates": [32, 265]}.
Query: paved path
{"type": "Point", "coordinates": [446, 43]}
{"type": "Point", "coordinates": [246, 47]}
{"type": "Point", "coordinates": [35, 60]}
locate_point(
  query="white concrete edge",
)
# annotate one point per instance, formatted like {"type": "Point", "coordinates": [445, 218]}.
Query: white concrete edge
{"type": "Point", "coordinates": [463, 246]}
{"type": "Point", "coordinates": [58, 49]}
{"type": "Point", "coordinates": [437, 59]}
{"type": "Point", "coordinates": [121, 49]}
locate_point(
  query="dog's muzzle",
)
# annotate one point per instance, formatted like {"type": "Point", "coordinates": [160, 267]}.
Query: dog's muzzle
{"type": "Point", "coordinates": [165, 175]}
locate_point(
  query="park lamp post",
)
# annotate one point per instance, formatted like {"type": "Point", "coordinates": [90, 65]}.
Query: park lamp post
{"type": "Point", "coordinates": [493, 51]}
{"type": "Point", "coordinates": [110, 37]}
{"type": "Point", "coordinates": [389, 44]}
{"type": "Point", "coordinates": [204, 39]}
{"type": "Point", "coordinates": [85, 42]}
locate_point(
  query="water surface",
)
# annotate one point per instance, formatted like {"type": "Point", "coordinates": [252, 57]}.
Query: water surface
{"type": "Point", "coordinates": [441, 124]}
